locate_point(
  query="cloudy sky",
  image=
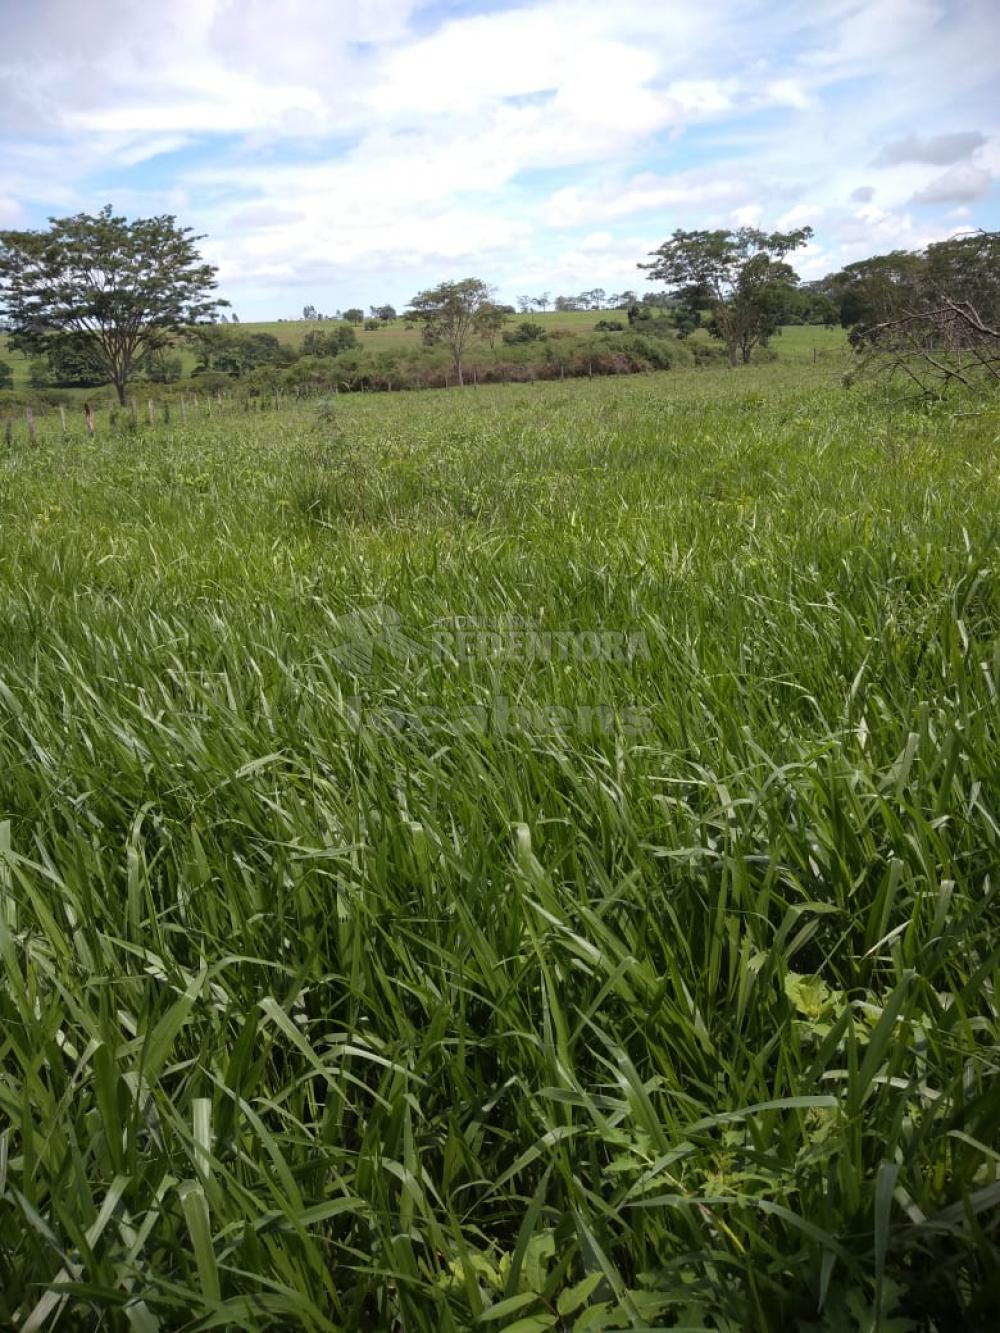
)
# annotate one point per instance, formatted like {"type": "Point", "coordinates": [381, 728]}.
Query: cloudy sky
{"type": "Point", "coordinates": [342, 153]}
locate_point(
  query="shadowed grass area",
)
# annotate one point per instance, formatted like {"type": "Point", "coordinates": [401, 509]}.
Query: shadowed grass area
{"type": "Point", "coordinates": [599, 933]}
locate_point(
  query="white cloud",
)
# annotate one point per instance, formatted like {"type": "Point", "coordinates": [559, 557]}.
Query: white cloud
{"type": "Point", "coordinates": [748, 215]}
{"type": "Point", "coordinates": [10, 212]}
{"type": "Point", "coordinates": [960, 185]}
{"type": "Point", "coordinates": [645, 193]}
{"type": "Point", "coordinates": [846, 234]}
{"type": "Point", "coordinates": [789, 92]}
{"type": "Point", "coordinates": [937, 150]}
{"type": "Point", "coordinates": [597, 240]}
{"type": "Point", "coordinates": [703, 96]}
{"type": "Point", "coordinates": [335, 143]}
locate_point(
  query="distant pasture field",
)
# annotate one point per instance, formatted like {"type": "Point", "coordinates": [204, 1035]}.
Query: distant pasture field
{"type": "Point", "coordinates": [794, 341]}
{"type": "Point", "coordinates": [795, 344]}
{"type": "Point", "coordinates": [396, 334]}
{"type": "Point", "coordinates": [521, 858]}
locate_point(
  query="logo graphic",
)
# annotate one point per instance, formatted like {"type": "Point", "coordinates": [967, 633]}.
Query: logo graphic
{"type": "Point", "coordinates": [369, 628]}
{"type": "Point", "coordinates": [509, 639]}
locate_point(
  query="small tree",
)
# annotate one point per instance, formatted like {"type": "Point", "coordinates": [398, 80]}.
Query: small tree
{"type": "Point", "coordinates": [492, 318]}
{"type": "Point", "coordinates": [125, 288]}
{"type": "Point", "coordinates": [339, 339]}
{"type": "Point", "coordinates": [236, 353]}
{"type": "Point", "coordinates": [355, 315]}
{"type": "Point", "coordinates": [159, 367]}
{"type": "Point", "coordinates": [451, 313]}
{"type": "Point", "coordinates": [740, 275]}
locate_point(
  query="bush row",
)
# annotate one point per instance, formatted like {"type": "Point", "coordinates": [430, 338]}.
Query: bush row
{"type": "Point", "coordinates": [354, 369]}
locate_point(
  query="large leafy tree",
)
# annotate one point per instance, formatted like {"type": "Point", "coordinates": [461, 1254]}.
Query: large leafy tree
{"type": "Point", "coordinates": [452, 312]}
{"type": "Point", "coordinates": [120, 289]}
{"type": "Point", "coordinates": [872, 290]}
{"type": "Point", "coordinates": [885, 287]}
{"type": "Point", "coordinates": [929, 317]}
{"type": "Point", "coordinates": [967, 268]}
{"type": "Point", "coordinates": [740, 276]}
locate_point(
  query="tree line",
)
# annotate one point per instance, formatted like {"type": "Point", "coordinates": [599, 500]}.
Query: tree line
{"type": "Point", "coordinates": [377, 317]}
{"type": "Point", "coordinates": [99, 299]}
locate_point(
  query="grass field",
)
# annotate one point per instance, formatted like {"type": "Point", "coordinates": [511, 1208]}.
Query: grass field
{"type": "Point", "coordinates": [396, 334]}
{"type": "Point", "coordinates": [795, 343]}
{"type": "Point", "coordinates": [521, 858]}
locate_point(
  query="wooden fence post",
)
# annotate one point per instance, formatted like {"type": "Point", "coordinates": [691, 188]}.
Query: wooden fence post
{"type": "Point", "coordinates": [29, 417]}
{"type": "Point", "coordinates": [88, 412]}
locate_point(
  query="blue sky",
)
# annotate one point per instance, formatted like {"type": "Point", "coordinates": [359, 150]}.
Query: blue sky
{"type": "Point", "coordinates": [339, 154]}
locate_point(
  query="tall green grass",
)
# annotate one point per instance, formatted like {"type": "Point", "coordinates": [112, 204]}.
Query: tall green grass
{"type": "Point", "coordinates": [307, 1024]}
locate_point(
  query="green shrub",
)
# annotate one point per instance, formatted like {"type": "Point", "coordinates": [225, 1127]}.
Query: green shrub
{"type": "Point", "coordinates": [212, 381]}
{"type": "Point", "coordinates": [526, 332]}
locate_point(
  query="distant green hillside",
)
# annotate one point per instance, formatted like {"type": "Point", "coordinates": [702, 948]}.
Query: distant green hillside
{"type": "Point", "coordinates": [396, 334]}
{"type": "Point", "coordinates": [394, 355]}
